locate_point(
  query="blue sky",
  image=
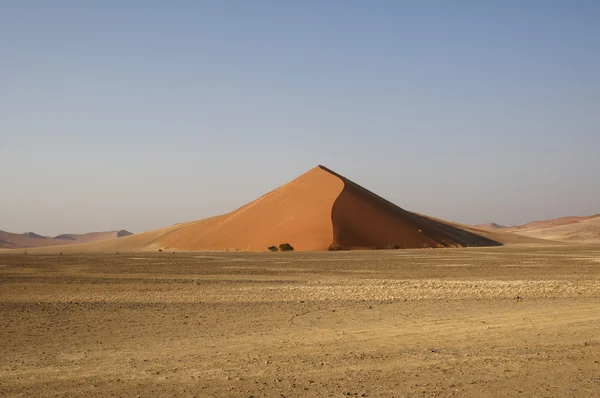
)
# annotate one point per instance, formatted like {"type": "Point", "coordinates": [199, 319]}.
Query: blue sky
{"type": "Point", "coordinates": [141, 114]}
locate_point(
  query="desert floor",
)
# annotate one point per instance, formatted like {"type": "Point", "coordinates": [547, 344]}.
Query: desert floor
{"type": "Point", "coordinates": [509, 321]}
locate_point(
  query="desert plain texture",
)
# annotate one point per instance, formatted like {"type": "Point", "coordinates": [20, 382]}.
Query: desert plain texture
{"type": "Point", "coordinates": [484, 322]}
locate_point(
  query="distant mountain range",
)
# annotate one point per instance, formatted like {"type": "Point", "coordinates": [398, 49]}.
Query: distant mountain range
{"type": "Point", "coordinates": [10, 240]}
{"type": "Point", "coordinates": [319, 210]}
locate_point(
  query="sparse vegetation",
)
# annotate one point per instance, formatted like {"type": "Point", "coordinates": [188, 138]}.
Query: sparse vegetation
{"type": "Point", "coordinates": [393, 246]}
{"type": "Point", "coordinates": [335, 248]}
{"type": "Point", "coordinates": [273, 249]}
{"type": "Point", "coordinates": [286, 247]}
{"type": "Point", "coordinates": [160, 250]}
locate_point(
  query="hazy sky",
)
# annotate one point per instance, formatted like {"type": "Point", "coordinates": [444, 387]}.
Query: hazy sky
{"type": "Point", "coordinates": [140, 114]}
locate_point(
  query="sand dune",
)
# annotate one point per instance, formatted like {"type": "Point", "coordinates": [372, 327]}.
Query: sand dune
{"type": "Point", "coordinates": [10, 240]}
{"type": "Point", "coordinates": [564, 229]}
{"type": "Point", "coordinates": [490, 225]}
{"type": "Point", "coordinates": [570, 229]}
{"type": "Point", "coordinates": [298, 212]}
{"type": "Point", "coordinates": [94, 236]}
{"type": "Point", "coordinates": [540, 224]}
{"type": "Point", "coordinates": [316, 211]}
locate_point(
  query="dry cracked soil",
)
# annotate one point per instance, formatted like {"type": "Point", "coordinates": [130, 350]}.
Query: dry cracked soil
{"type": "Point", "coordinates": [483, 322]}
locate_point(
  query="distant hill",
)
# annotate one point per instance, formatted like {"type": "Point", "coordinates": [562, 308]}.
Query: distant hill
{"type": "Point", "coordinates": [319, 210]}
{"type": "Point", "coordinates": [583, 229]}
{"type": "Point", "coordinates": [10, 240]}
{"type": "Point", "coordinates": [17, 241]}
{"type": "Point", "coordinates": [94, 236]}
{"type": "Point", "coordinates": [34, 235]}
{"type": "Point", "coordinates": [64, 236]}
{"type": "Point", "coordinates": [490, 225]}
{"type": "Point", "coordinates": [540, 224]}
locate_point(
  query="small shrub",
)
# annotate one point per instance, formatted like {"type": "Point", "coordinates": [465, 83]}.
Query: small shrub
{"type": "Point", "coordinates": [393, 247]}
{"type": "Point", "coordinates": [273, 248]}
{"type": "Point", "coordinates": [160, 250]}
{"type": "Point", "coordinates": [61, 253]}
{"type": "Point", "coordinates": [286, 247]}
{"type": "Point", "coordinates": [335, 248]}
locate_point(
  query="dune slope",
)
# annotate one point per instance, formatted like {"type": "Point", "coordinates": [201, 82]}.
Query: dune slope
{"type": "Point", "coordinates": [317, 211]}
{"type": "Point", "coordinates": [30, 240]}
{"type": "Point", "coordinates": [362, 219]}
{"type": "Point", "coordinates": [298, 212]}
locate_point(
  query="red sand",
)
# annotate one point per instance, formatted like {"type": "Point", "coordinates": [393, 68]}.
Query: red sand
{"type": "Point", "coordinates": [298, 213]}
{"type": "Point", "coordinates": [316, 211]}
{"type": "Point", "coordinates": [540, 224]}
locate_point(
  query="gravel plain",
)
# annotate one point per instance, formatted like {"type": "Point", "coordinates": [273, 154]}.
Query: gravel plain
{"type": "Point", "coordinates": [507, 321]}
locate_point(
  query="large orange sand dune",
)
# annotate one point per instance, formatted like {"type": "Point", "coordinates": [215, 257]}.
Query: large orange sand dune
{"type": "Point", "coordinates": [317, 211]}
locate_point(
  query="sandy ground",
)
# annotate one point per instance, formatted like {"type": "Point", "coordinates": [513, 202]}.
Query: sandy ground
{"type": "Point", "coordinates": [479, 322]}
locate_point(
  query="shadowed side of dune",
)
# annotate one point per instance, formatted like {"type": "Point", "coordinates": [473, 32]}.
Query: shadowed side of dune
{"type": "Point", "coordinates": [362, 219]}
